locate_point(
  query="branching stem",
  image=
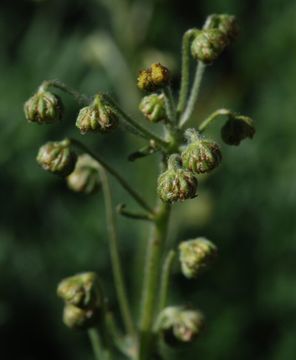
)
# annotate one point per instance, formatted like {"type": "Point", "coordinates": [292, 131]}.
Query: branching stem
{"type": "Point", "coordinates": [184, 89]}
{"type": "Point", "coordinates": [114, 173]}
{"type": "Point", "coordinates": [115, 258]}
{"type": "Point", "coordinates": [165, 278]}
{"type": "Point", "coordinates": [80, 98]}
{"type": "Point", "coordinates": [202, 127]}
{"type": "Point", "coordinates": [200, 68]}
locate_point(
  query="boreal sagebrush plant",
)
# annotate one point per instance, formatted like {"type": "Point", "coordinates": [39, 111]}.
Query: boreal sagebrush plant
{"type": "Point", "coordinates": [184, 154]}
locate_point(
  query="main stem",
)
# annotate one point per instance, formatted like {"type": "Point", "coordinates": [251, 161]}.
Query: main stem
{"type": "Point", "coordinates": [151, 279]}
{"type": "Point", "coordinates": [96, 344]}
{"type": "Point", "coordinates": [115, 259]}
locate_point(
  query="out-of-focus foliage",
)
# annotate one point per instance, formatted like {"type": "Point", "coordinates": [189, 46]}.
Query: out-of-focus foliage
{"type": "Point", "coordinates": [246, 208]}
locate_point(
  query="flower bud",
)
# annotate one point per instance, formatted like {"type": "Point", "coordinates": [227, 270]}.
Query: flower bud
{"type": "Point", "coordinates": [237, 128]}
{"type": "Point", "coordinates": [200, 155]}
{"type": "Point", "coordinates": [196, 255]}
{"type": "Point", "coordinates": [43, 108]}
{"type": "Point", "coordinates": [154, 78]}
{"type": "Point", "coordinates": [208, 45]}
{"type": "Point", "coordinates": [57, 157]}
{"type": "Point", "coordinates": [179, 325]}
{"type": "Point", "coordinates": [85, 178]}
{"type": "Point", "coordinates": [176, 183]}
{"type": "Point", "coordinates": [153, 108]}
{"type": "Point", "coordinates": [227, 24]}
{"type": "Point", "coordinates": [82, 290]}
{"type": "Point", "coordinates": [99, 116]}
{"type": "Point", "coordinates": [76, 318]}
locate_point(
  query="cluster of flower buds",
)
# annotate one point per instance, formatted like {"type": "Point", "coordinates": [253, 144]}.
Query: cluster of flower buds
{"type": "Point", "coordinates": [99, 116]}
{"type": "Point", "coordinates": [176, 183]}
{"type": "Point", "coordinates": [153, 108]}
{"type": "Point", "coordinates": [83, 300]}
{"type": "Point", "coordinates": [43, 107]}
{"type": "Point", "coordinates": [218, 33]}
{"type": "Point", "coordinates": [86, 177]}
{"type": "Point", "coordinates": [179, 325]}
{"type": "Point", "coordinates": [201, 155]}
{"type": "Point", "coordinates": [237, 128]}
{"type": "Point", "coordinates": [196, 256]}
{"type": "Point", "coordinates": [57, 157]}
{"type": "Point", "coordinates": [225, 23]}
{"type": "Point", "coordinates": [155, 78]}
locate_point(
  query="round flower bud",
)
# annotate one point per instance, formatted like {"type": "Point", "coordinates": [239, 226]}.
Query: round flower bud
{"type": "Point", "coordinates": [237, 128]}
{"type": "Point", "coordinates": [179, 325]}
{"type": "Point", "coordinates": [57, 157]}
{"type": "Point", "coordinates": [227, 24]}
{"type": "Point", "coordinates": [82, 290]}
{"type": "Point", "coordinates": [196, 256]}
{"type": "Point", "coordinates": [85, 178]}
{"type": "Point", "coordinates": [208, 44]}
{"type": "Point", "coordinates": [76, 318]}
{"type": "Point", "coordinates": [200, 155]}
{"type": "Point", "coordinates": [153, 108]}
{"type": "Point", "coordinates": [43, 108]}
{"type": "Point", "coordinates": [154, 78]}
{"type": "Point", "coordinates": [176, 183]}
{"type": "Point", "coordinates": [99, 116]}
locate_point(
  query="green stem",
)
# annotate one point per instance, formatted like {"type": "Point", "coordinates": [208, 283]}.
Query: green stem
{"type": "Point", "coordinates": [80, 98]}
{"type": "Point", "coordinates": [96, 343]}
{"type": "Point", "coordinates": [151, 278]}
{"type": "Point", "coordinates": [114, 173]}
{"type": "Point", "coordinates": [115, 259]}
{"type": "Point", "coordinates": [200, 68]}
{"type": "Point", "coordinates": [184, 88]}
{"type": "Point", "coordinates": [212, 117]}
{"type": "Point", "coordinates": [132, 214]}
{"type": "Point", "coordinates": [165, 278]}
{"type": "Point", "coordinates": [169, 104]}
{"type": "Point", "coordinates": [144, 132]}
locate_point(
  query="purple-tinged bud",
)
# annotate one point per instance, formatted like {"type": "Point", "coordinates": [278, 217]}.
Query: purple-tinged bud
{"type": "Point", "coordinates": [176, 183]}
{"type": "Point", "coordinates": [201, 155]}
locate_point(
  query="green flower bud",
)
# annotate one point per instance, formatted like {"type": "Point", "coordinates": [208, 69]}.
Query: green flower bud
{"type": "Point", "coordinates": [227, 24]}
{"type": "Point", "coordinates": [154, 78]}
{"type": "Point", "coordinates": [81, 290]}
{"type": "Point", "coordinates": [85, 178]}
{"type": "Point", "coordinates": [200, 155]}
{"type": "Point", "coordinates": [76, 318]}
{"type": "Point", "coordinates": [99, 116]}
{"type": "Point", "coordinates": [196, 256]}
{"type": "Point", "coordinates": [208, 45]}
{"type": "Point", "coordinates": [176, 183]}
{"type": "Point", "coordinates": [57, 157]}
{"type": "Point", "coordinates": [153, 108]}
{"type": "Point", "coordinates": [237, 128]}
{"type": "Point", "coordinates": [179, 325]}
{"type": "Point", "coordinates": [43, 108]}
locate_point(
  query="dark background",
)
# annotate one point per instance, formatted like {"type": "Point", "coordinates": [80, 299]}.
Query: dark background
{"type": "Point", "coordinates": [247, 207]}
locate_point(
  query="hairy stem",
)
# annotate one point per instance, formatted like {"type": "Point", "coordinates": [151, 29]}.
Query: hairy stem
{"type": "Point", "coordinates": [184, 88]}
{"type": "Point", "coordinates": [80, 98]}
{"type": "Point", "coordinates": [165, 278]}
{"type": "Point", "coordinates": [200, 68]}
{"type": "Point", "coordinates": [212, 117]}
{"type": "Point", "coordinates": [115, 258]}
{"type": "Point", "coordinates": [96, 344]}
{"type": "Point", "coordinates": [151, 278]}
{"type": "Point", "coordinates": [114, 173]}
{"type": "Point", "coordinates": [169, 104]}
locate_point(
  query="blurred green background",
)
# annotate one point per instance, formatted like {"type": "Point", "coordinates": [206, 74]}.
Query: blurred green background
{"type": "Point", "coordinates": [247, 207]}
